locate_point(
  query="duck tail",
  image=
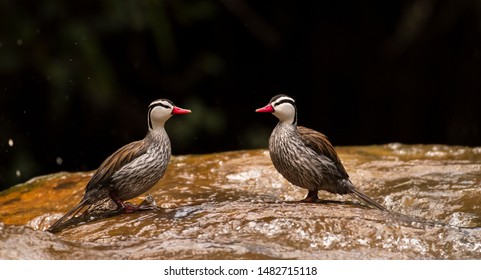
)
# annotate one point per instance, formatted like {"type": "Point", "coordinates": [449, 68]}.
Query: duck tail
{"type": "Point", "coordinates": [73, 212]}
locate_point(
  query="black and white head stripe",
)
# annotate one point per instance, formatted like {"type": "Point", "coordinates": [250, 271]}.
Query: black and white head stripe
{"type": "Point", "coordinates": [281, 99]}
{"type": "Point", "coordinates": [165, 103]}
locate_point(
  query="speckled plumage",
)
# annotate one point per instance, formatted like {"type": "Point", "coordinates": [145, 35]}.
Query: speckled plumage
{"type": "Point", "coordinates": [145, 163]}
{"type": "Point", "coordinates": [134, 168]}
{"type": "Point", "coordinates": [305, 157]}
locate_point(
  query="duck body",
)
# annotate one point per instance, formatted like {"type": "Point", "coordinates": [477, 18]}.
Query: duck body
{"type": "Point", "coordinates": [305, 164]}
{"type": "Point", "coordinates": [132, 169]}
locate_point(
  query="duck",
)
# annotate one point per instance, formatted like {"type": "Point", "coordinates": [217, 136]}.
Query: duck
{"type": "Point", "coordinates": [305, 157]}
{"type": "Point", "coordinates": [132, 169]}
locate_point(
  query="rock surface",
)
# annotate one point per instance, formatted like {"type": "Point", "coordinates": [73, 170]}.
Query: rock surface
{"type": "Point", "coordinates": [234, 205]}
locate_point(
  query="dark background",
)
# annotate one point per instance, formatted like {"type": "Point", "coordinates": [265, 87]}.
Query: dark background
{"type": "Point", "coordinates": [76, 77]}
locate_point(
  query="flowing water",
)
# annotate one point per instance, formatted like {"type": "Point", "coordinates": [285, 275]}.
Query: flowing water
{"type": "Point", "coordinates": [234, 205]}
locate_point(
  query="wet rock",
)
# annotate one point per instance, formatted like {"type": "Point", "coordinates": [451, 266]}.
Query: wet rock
{"type": "Point", "coordinates": [234, 205]}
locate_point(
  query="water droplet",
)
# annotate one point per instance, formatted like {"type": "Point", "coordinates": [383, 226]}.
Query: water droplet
{"type": "Point", "coordinates": [10, 142]}
{"type": "Point", "coordinates": [18, 173]}
{"type": "Point", "coordinates": [59, 160]}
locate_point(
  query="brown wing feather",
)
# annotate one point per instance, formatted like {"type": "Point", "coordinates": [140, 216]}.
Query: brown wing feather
{"type": "Point", "coordinates": [115, 161]}
{"type": "Point", "coordinates": [321, 145]}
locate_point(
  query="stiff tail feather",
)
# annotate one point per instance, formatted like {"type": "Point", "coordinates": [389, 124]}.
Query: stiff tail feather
{"type": "Point", "coordinates": [73, 212]}
{"type": "Point", "coordinates": [367, 199]}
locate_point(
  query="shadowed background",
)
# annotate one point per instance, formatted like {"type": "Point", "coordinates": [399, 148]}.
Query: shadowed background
{"type": "Point", "coordinates": [76, 77]}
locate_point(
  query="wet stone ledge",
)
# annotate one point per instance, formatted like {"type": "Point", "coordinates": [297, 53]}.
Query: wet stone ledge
{"type": "Point", "coordinates": [234, 205]}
